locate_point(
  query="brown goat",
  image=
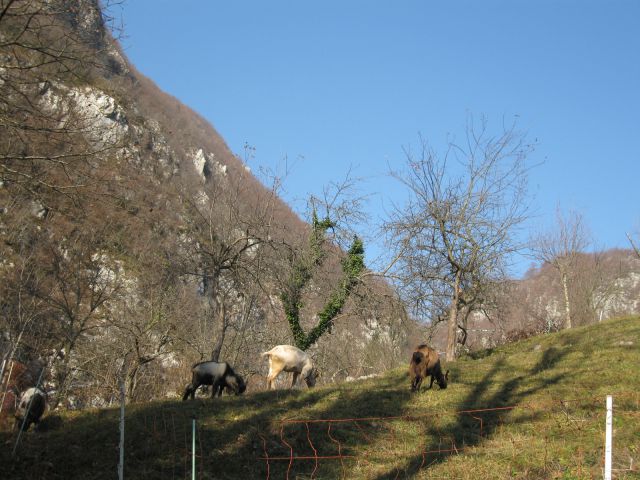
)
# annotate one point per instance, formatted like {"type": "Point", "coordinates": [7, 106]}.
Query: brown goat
{"type": "Point", "coordinates": [425, 361]}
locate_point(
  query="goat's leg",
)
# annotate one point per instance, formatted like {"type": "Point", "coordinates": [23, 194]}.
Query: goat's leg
{"type": "Point", "coordinates": [214, 388]}
{"type": "Point", "coordinates": [418, 383]}
{"type": "Point", "coordinates": [432, 380]}
{"type": "Point", "coordinates": [273, 373]}
{"type": "Point", "coordinates": [294, 379]}
{"type": "Point", "coordinates": [270, 382]}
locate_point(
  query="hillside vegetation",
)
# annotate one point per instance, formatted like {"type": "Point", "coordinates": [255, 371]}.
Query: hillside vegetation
{"type": "Point", "coordinates": [134, 242]}
{"type": "Point", "coordinates": [532, 409]}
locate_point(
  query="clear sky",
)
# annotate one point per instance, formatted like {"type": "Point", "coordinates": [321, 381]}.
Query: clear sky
{"type": "Point", "coordinates": [339, 85]}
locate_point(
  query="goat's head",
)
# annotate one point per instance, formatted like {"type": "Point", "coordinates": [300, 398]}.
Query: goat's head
{"type": "Point", "coordinates": [443, 380]}
{"type": "Point", "coordinates": [311, 378]}
{"type": "Point", "coordinates": [235, 384]}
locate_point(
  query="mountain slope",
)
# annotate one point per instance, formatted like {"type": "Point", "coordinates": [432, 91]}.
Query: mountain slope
{"type": "Point", "coordinates": [533, 409]}
{"type": "Point", "coordinates": [132, 240]}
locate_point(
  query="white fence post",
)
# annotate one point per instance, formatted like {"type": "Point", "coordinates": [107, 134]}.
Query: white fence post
{"type": "Point", "coordinates": [193, 448]}
{"type": "Point", "coordinates": [608, 439]}
{"type": "Point", "coordinates": [123, 399]}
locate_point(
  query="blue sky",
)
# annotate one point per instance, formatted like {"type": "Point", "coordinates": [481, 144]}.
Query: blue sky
{"type": "Point", "coordinates": [339, 85]}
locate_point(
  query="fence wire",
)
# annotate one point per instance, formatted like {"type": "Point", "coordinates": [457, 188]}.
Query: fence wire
{"type": "Point", "coordinates": [158, 441]}
{"type": "Point", "coordinates": [300, 448]}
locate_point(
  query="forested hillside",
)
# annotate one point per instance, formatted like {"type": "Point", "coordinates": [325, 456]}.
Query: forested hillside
{"type": "Point", "coordinates": [135, 243]}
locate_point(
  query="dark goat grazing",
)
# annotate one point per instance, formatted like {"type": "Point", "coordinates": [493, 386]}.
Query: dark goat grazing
{"type": "Point", "coordinates": [425, 361]}
{"type": "Point", "coordinates": [218, 375]}
{"type": "Point", "coordinates": [33, 401]}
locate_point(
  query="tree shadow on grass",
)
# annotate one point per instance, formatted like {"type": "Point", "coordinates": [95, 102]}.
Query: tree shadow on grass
{"type": "Point", "coordinates": [482, 413]}
{"type": "Point", "coordinates": [240, 437]}
{"type": "Point", "coordinates": [158, 439]}
{"type": "Point", "coordinates": [308, 444]}
{"type": "Point", "coordinates": [231, 435]}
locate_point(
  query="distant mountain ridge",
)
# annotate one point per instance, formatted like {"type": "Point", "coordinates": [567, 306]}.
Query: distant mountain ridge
{"type": "Point", "coordinates": [602, 285]}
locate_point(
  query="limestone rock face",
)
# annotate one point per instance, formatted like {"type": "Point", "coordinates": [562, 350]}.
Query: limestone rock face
{"type": "Point", "coordinates": [88, 109]}
{"type": "Point", "coordinates": [206, 164]}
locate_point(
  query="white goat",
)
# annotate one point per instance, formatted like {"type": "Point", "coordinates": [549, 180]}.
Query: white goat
{"type": "Point", "coordinates": [290, 359]}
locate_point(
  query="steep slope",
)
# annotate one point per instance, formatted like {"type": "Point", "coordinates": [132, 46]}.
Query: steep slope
{"type": "Point", "coordinates": [133, 241]}
{"type": "Point", "coordinates": [530, 410]}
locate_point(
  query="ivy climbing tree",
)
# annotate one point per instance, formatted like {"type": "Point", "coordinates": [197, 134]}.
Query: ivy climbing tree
{"type": "Point", "coordinates": [303, 268]}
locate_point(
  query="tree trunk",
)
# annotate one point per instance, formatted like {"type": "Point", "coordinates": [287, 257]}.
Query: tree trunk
{"type": "Point", "coordinates": [217, 306]}
{"type": "Point", "coordinates": [567, 306]}
{"type": "Point", "coordinates": [61, 378]}
{"type": "Point", "coordinates": [465, 335]}
{"type": "Point", "coordinates": [5, 362]}
{"type": "Point", "coordinates": [452, 329]}
{"type": "Point", "coordinates": [133, 382]}
{"type": "Point", "coordinates": [635, 247]}
{"type": "Point", "coordinates": [222, 324]}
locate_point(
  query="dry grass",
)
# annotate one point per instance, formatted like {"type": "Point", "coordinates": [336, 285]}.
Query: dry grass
{"type": "Point", "coordinates": [556, 385]}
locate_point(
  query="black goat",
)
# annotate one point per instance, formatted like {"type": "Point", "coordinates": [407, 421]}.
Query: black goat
{"type": "Point", "coordinates": [217, 374]}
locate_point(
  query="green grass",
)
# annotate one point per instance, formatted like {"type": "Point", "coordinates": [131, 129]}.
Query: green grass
{"type": "Point", "coordinates": [551, 391]}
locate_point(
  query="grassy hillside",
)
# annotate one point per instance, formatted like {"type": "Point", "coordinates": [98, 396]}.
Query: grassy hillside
{"type": "Point", "coordinates": [533, 409]}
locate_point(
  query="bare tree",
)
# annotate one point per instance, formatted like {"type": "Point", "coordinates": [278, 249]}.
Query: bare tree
{"type": "Point", "coordinates": [52, 146]}
{"type": "Point", "coordinates": [145, 320]}
{"type": "Point", "coordinates": [80, 283]}
{"type": "Point", "coordinates": [597, 284]}
{"type": "Point", "coordinates": [22, 313]}
{"type": "Point", "coordinates": [225, 242]}
{"type": "Point", "coordinates": [634, 245]}
{"type": "Point", "coordinates": [560, 248]}
{"type": "Point", "coordinates": [458, 228]}
{"type": "Point", "coordinates": [378, 312]}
